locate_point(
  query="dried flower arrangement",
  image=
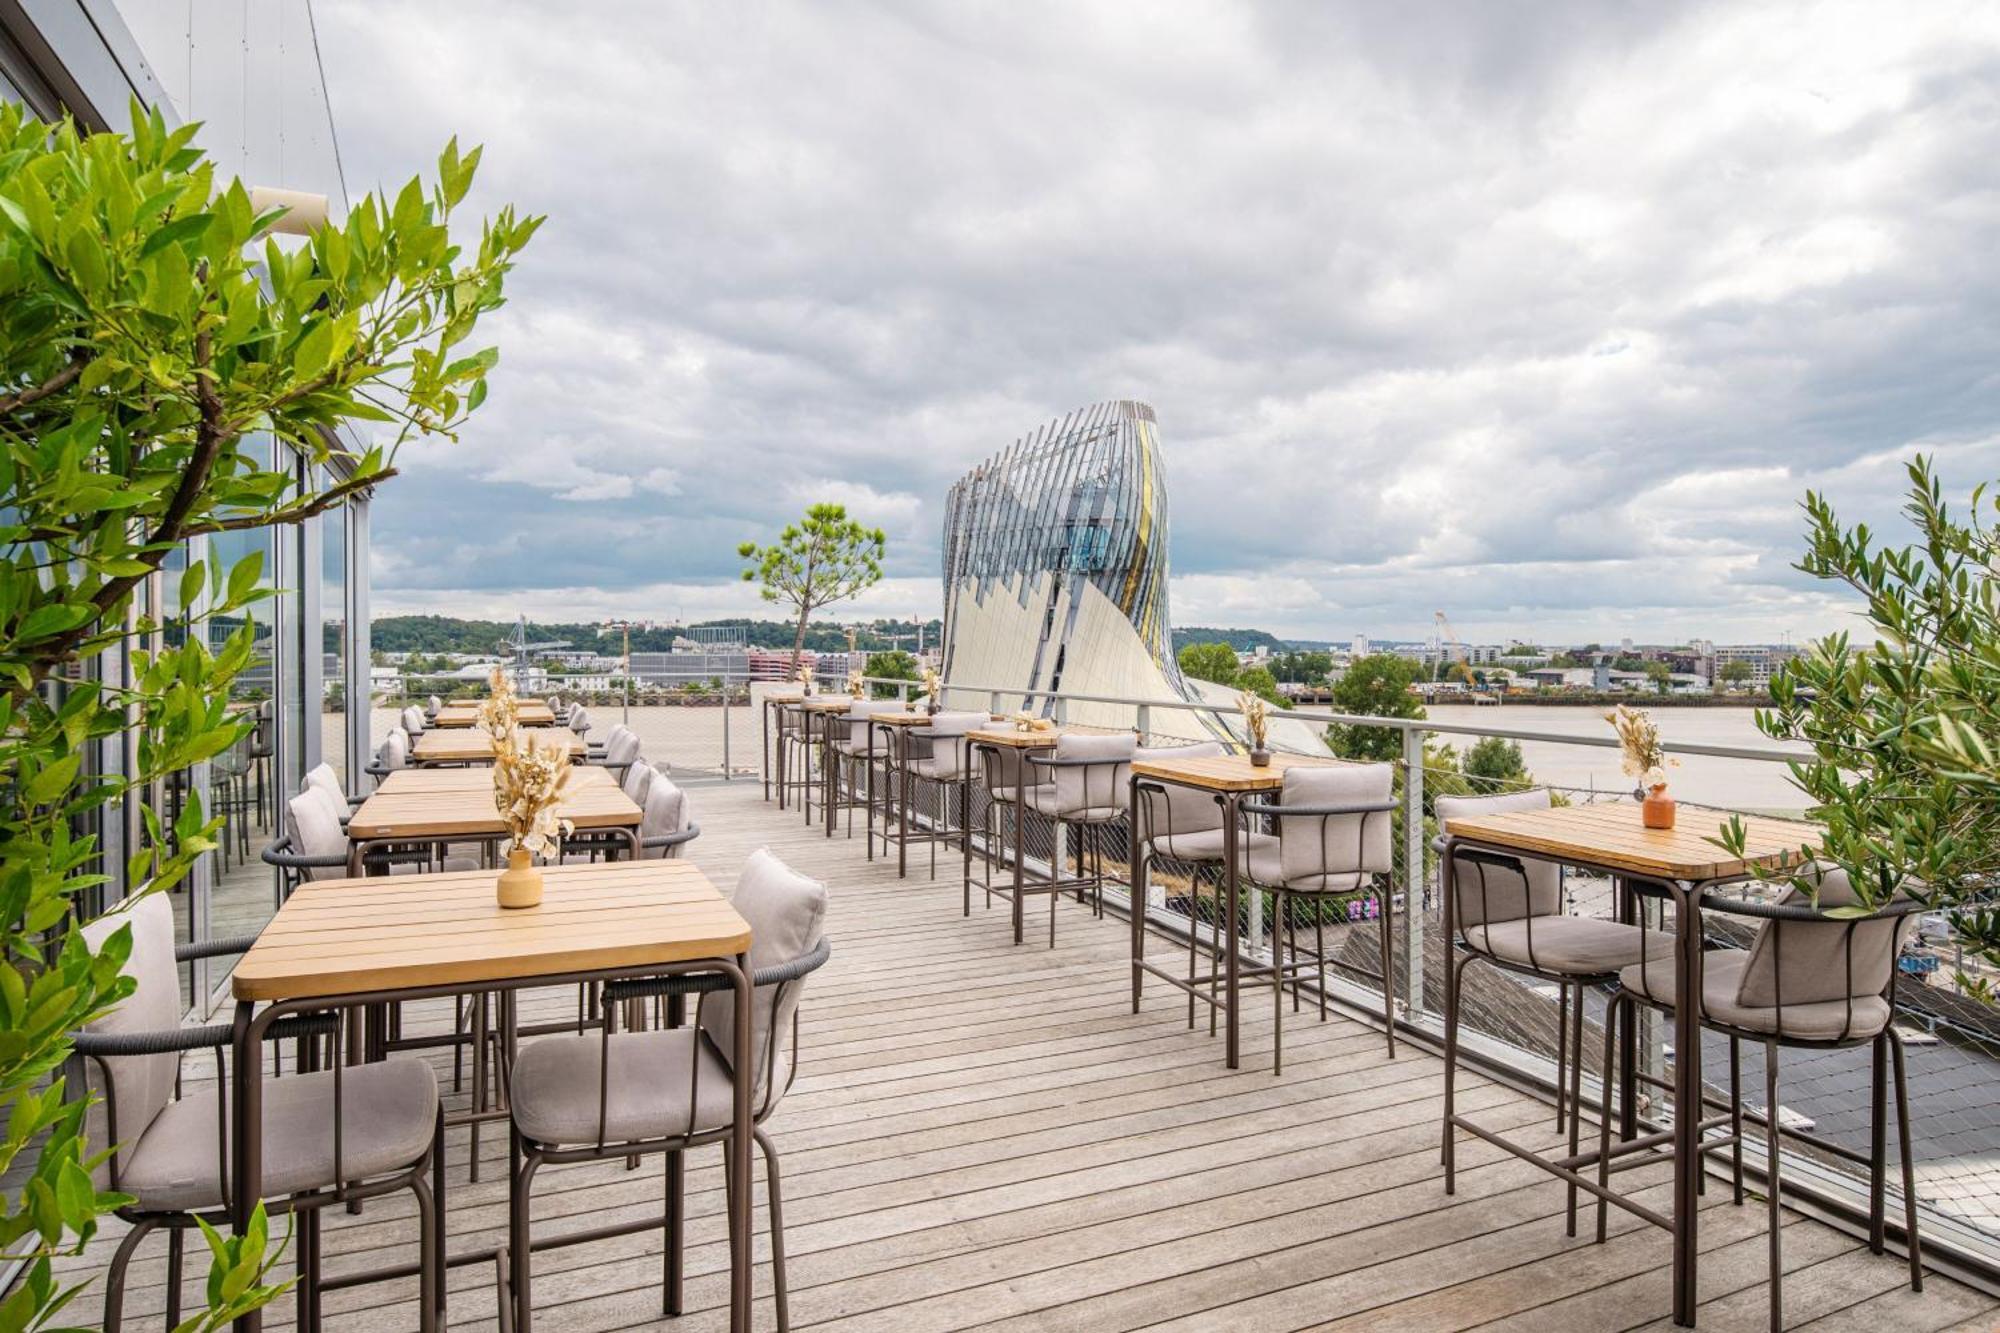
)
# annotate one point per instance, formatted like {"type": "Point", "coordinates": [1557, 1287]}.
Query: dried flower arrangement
{"type": "Point", "coordinates": [1027, 721]}
{"type": "Point", "coordinates": [857, 684]}
{"type": "Point", "coordinates": [803, 675]}
{"type": "Point", "coordinates": [1645, 757]}
{"type": "Point", "coordinates": [934, 687]}
{"type": "Point", "coordinates": [529, 781]}
{"type": "Point", "coordinates": [1256, 718]}
{"type": "Point", "coordinates": [499, 714]}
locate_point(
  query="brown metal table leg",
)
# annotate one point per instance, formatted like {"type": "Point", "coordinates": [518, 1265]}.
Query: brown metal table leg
{"type": "Point", "coordinates": [1020, 854]}
{"type": "Point", "coordinates": [1231, 889]}
{"type": "Point", "coordinates": [1688, 1104]}
{"type": "Point", "coordinates": [1135, 875]}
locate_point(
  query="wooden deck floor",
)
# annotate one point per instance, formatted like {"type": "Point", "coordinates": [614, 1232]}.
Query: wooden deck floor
{"type": "Point", "coordinates": [985, 1136]}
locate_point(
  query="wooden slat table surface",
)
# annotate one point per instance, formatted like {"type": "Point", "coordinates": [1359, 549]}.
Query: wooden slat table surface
{"type": "Point", "coordinates": [828, 703]}
{"type": "Point", "coordinates": [530, 712]}
{"type": "Point", "coordinates": [425, 803]}
{"type": "Point", "coordinates": [468, 746]}
{"type": "Point", "coordinates": [342, 936]}
{"type": "Point", "coordinates": [1229, 772]}
{"type": "Point", "coordinates": [1013, 738]}
{"type": "Point", "coordinates": [1611, 834]}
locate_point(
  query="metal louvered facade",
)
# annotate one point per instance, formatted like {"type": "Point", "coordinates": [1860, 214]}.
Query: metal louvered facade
{"type": "Point", "coordinates": [1055, 561]}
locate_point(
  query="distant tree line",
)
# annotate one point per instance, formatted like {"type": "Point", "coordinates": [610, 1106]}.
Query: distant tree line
{"type": "Point", "coordinates": [433, 635]}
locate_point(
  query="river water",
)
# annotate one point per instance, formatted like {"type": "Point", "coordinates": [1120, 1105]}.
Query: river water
{"type": "Point", "coordinates": [1734, 783]}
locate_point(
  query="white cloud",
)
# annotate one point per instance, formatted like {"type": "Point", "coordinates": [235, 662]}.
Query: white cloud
{"type": "Point", "coordinates": [1544, 316]}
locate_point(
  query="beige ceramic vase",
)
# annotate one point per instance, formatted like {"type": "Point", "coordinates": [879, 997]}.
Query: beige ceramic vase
{"type": "Point", "coordinates": [520, 884]}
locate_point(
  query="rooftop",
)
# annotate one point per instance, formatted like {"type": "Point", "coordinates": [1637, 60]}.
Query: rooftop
{"type": "Point", "coordinates": [984, 1135]}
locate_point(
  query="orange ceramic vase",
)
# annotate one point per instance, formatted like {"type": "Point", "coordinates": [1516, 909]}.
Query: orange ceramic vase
{"type": "Point", "coordinates": [1657, 810]}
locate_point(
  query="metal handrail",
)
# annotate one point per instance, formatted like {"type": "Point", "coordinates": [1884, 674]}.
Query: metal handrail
{"type": "Point", "coordinates": [1760, 754]}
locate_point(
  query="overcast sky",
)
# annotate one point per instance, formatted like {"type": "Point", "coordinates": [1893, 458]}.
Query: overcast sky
{"type": "Point", "coordinates": [1544, 315]}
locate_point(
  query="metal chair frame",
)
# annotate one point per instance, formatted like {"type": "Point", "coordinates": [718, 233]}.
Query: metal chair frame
{"type": "Point", "coordinates": [318, 1038]}
{"type": "Point", "coordinates": [1089, 877]}
{"type": "Point", "coordinates": [1886, 1052]}
{"type": "Point", "coordinates": [1382, 889]}
{"type": "Point", "coordinates": [527, 1156]}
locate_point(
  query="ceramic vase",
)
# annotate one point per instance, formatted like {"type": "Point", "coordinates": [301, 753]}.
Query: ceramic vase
{"type": "Point", "coordinates": [1657, 810]}
{"type": "Point", "coordinates": [520, 884]}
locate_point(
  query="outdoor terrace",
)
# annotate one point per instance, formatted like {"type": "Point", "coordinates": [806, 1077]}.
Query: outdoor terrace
{"type": "Point", "coordinates": [986, 1136]}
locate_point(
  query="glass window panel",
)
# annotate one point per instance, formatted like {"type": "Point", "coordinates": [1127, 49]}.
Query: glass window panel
{"type": "Point", "coordinates": [244, 785]}
{"type": "Point", "coordinates": [333, 643]}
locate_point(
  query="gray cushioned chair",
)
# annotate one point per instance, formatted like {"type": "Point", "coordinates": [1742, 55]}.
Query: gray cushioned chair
{"type": "Point", "coordinates": [936, 758]}
{"type": "Point", "coordinates": [1084, 784]}
{"type": "Point", "coordinates": [1508, 910]}
{"type": "Point", "coordinates": [615, 1094]}
{"type": "Point", "coordinates": [412, 719]}
{"type": "Point", "coordinates": [1333, 847]}
{"type": "Point", "coordinates": [1810, 980]}
{"type": "Point", "coordinates": [328, 1137]}
{"type": "Point", "coordinates": [855, 761]}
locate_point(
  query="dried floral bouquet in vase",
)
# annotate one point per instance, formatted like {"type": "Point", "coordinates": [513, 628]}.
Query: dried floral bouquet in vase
{"type": "Point", "coordinates": [1645, 758]}
{"type": "Point", "coordinates": [529, 781]}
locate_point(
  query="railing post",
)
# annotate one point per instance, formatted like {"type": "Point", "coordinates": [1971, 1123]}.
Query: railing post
{"type": "Point", "coordinates": [1143, 722]}
{"type": "Point", "coordinates": [992, 701]}
{"type": "Point", "coordinates": [1061, 709]}
{"type": "Point", "coordinates": [1415, 877]}
{"type": "Point", "coordinates": [725, 731]}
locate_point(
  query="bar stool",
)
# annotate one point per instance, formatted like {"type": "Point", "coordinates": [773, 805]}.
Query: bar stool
{"type": "Point", "coordinates": [1333, 845]}
{"type": "Point", "coordinates": [1508, 911]}
{"type": "Point", "coordinates": [1809, 980]}
{"type": "Point", "coordinates": [855, 761]}
{"type": "Point", "coordinates": [795, 759]}
{"type": "Point", "coordinates": [1545, 891]}
{"type": "Point", "coordinates": [934, 758]}
{"type": "Point", "coordinates": [1083, 780]}
{"type": "Point", "coordinates": [1002, 772]}
{"type": "Point", "coordinates": [1183, 826]}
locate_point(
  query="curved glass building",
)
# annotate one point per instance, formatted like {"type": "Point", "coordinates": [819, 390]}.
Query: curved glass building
{"type": "Point", "coordinates": [1055, 569]}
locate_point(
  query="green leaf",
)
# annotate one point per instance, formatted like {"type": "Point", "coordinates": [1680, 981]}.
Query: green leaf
{"type": "Point", "coordinates": [178, 232]}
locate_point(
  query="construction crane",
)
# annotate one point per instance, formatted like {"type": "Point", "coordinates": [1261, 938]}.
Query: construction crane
{"type": "Point", "coordinates": [1447, 635]}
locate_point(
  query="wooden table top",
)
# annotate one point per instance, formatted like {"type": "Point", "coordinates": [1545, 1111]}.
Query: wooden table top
{"type": "Point", "coordinates": [827, 703]}
{"type": "Point", "coordinates": [530, 714]}
{"type": "Point", "coordinates": [467, 746]}
{"type": "Point", "coordinates": [1230, 772]}
{"type": "Point", "coordinates": [453, 802]}
{"type": "Point", "coordinates": [1610, 834]}
{"type": "Point", "coordinates": [405, 780]}
{"type": "Point", "coordinates": [343, 936]}
{"type": "Point", "coordinates": [1013, 738]}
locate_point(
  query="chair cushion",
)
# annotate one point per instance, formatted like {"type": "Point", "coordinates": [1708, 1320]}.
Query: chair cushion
{"type": "Point", "coordinates": [1336, 848]}
{"type": "Point", "coordinates": [637, 779]}
{"type": "Point", "coordinates": [1801, 962]}
{"type": "Point", "coordinates": [1173, 809]}
{"type": "Point", "coordinates": [1051, 801]}
{"type": "Point", "coordinates": [666, 811]}
{"type": "Point", "coordinates": [142, 1084]}
{"type": "Point", "coordinates": [325, 779]}
{"type": "Point", "coordinates": [787, 915]}
{"type": "Point", "coordinates": [1501, 901]}
{"type": "Point", "coordinates": [1199, 845]}
{"type": "Point", "coordinates": [1260, 859]}
{"type": "Point", "coordinates": [1722, 979]}
{"type": "Point", "coordinates": [315, 831]}
{"type": "Point", "coordinates": [660, 1083]}
{"type": "Point", "coordinates": [388, 1114]}
{"type": "Point", "coordinates": [1578, 946]}
{"type": "Point", "coordinates": [1085, 791]}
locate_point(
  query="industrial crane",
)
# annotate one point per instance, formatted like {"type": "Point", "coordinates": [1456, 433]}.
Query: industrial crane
{"type": "Point", "coordinates": [1447, 635]}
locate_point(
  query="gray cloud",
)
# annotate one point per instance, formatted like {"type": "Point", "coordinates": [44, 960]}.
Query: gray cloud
{"type": "Point", "coordinates": [1544, 315]}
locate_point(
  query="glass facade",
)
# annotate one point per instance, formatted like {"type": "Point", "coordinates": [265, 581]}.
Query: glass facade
{"type": "Point", "coordinates": [250, 73]}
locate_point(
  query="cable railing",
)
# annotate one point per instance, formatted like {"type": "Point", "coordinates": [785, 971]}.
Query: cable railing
{"type": "Point", "coordinates": [1511, 1024]}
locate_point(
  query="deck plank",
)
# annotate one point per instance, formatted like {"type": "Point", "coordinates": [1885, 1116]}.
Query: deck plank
{"type": "Point", "coordinates": [985, 1136]}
